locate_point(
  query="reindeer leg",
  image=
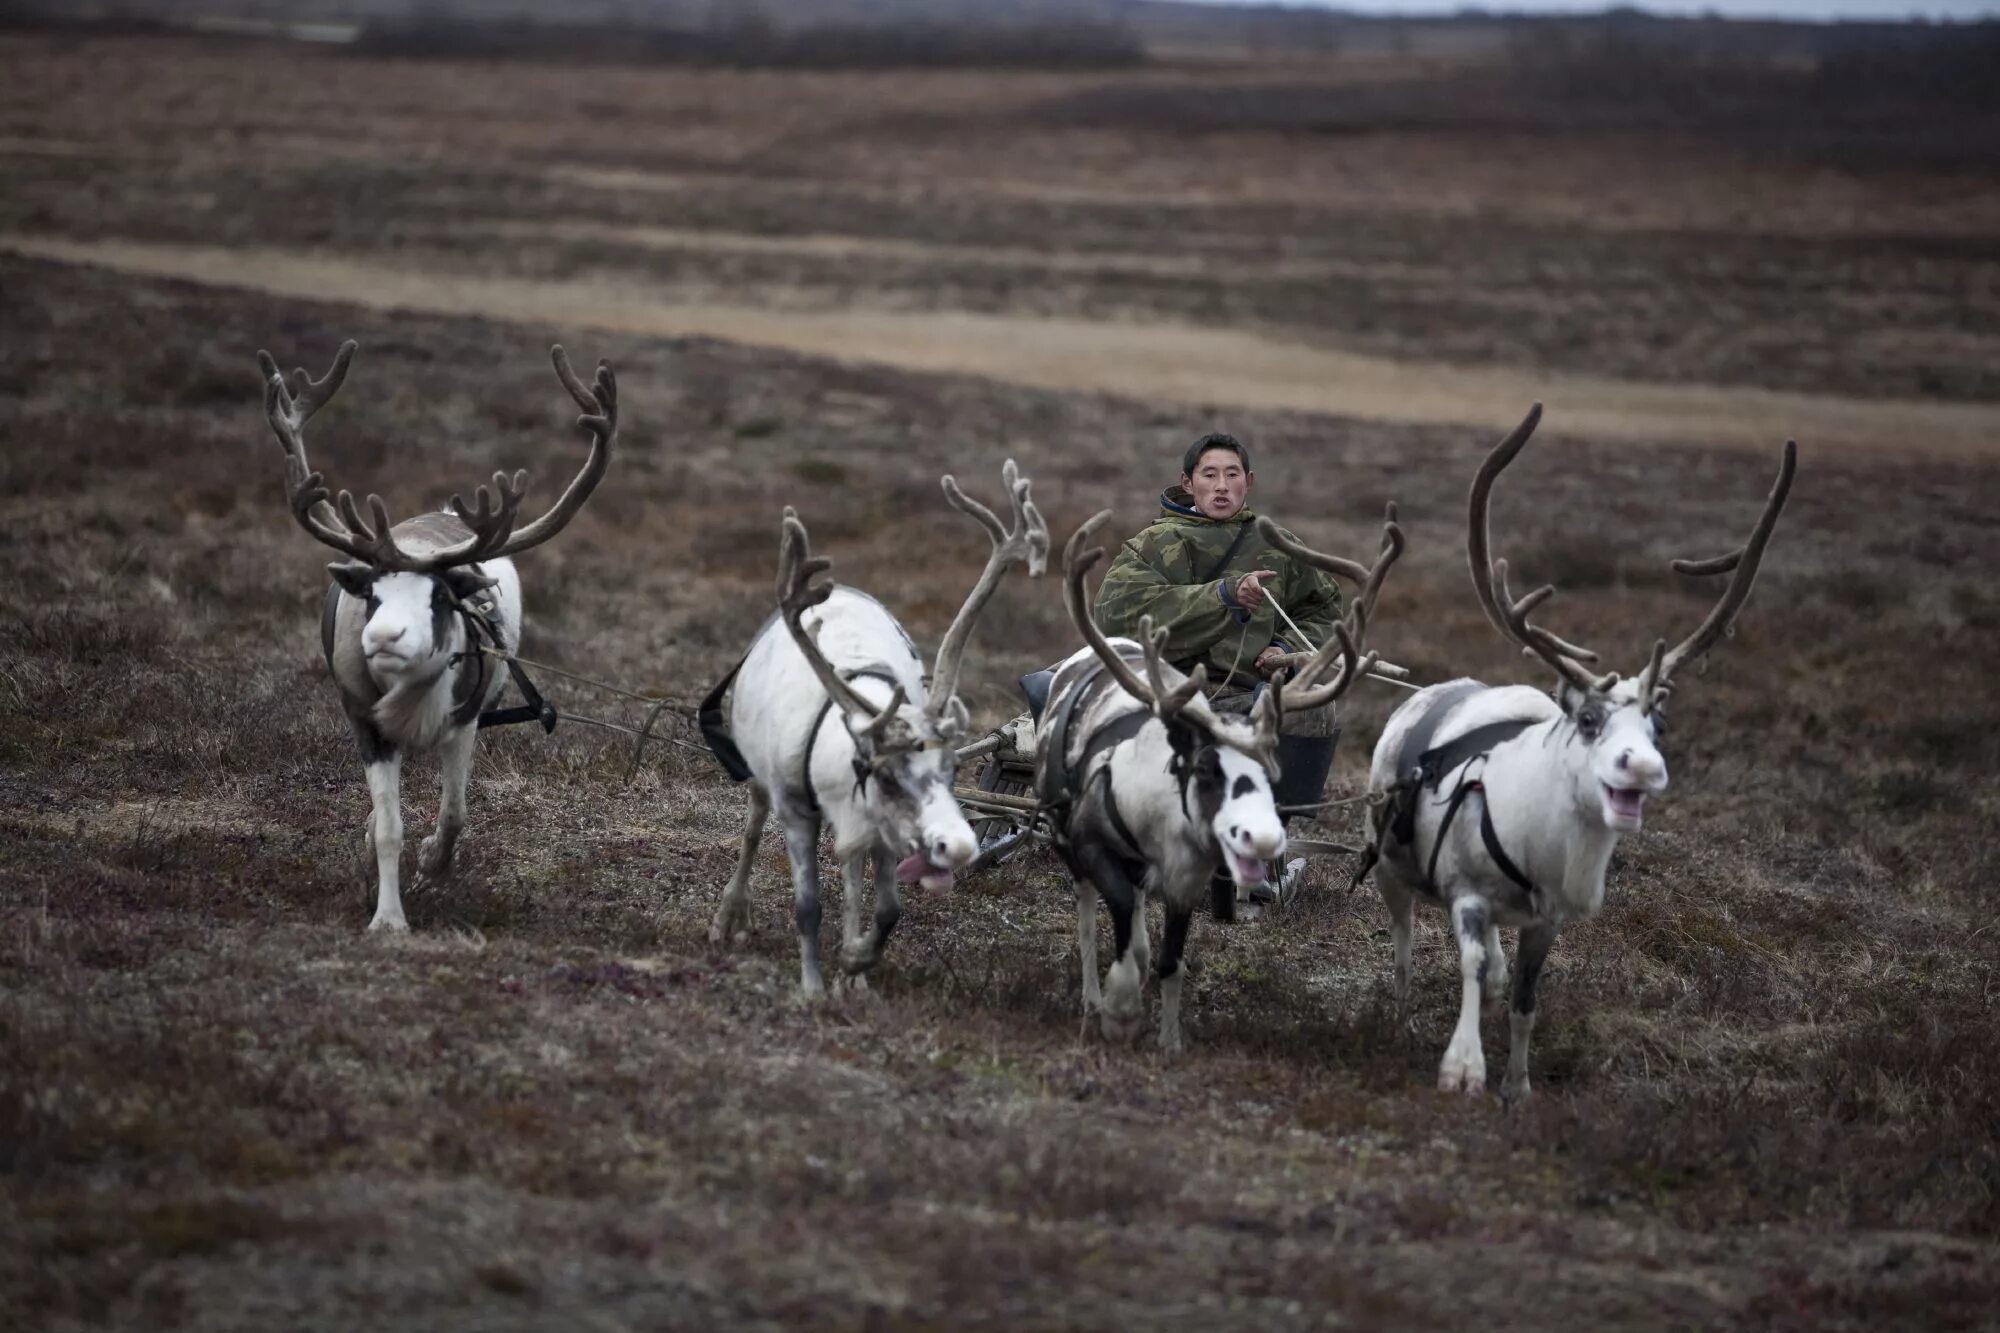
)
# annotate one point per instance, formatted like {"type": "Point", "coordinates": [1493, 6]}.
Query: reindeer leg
{"type": "Point", "coordinates": [1464, 1067]}
{"type": "Point", "coordinates": [1123, 1011]}
{"type": "Point", "coordinates": [385, 790]}
{"type": "Point", "coordinates": [802, 846]}
{"type": "Point", "coordinates": [1086, 943]}
{"type": "Point", "coordinates": [1531, 952]}
{"type": "Point", "coordinates": [1496, 965]}
{"type": "Point", "coordinates": [434, 858]}
{"type": "Point", "coordinates": [853, 887]}
{"type": "Point", "coordinates": [1399, 900]}
{"type": "Point", "coordinates": [732, 918]}
{"type": "Point", "coordinates": [1142, 933]}
{"type": "Point", "coordinates": [1173, 940]}
{"type": "Point", "coordinates": [864, 953]}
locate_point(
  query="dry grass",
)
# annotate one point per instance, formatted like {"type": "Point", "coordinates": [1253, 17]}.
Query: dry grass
{"type": "Point", "coordinates": [1768, 1072]}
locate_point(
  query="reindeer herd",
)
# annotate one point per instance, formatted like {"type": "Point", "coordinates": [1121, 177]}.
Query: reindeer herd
{"type": "Point", "coordinates": [1498, 805]}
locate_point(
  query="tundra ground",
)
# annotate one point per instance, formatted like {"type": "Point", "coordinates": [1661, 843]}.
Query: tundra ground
{"type": "Point", "coordinates": [1768, 1076]}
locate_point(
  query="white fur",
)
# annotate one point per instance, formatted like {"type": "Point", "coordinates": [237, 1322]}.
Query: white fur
{"type": "Point", "coordinates": [1181, 851]}
{"type": "Point", "coordinates": [772, 712]}
{"type": "Point", "coordinates": [414, 675]}
{"type": "Point", "coordinates": [1548, 792]}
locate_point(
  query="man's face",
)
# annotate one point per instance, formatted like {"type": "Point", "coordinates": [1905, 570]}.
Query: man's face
{"type": "Point", "coordinates": [1218, 483]}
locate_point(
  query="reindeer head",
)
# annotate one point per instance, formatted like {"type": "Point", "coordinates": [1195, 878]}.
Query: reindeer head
{"type": "Point", "coordinates": [1224, 765]}
{"type": "Point", "coordinates": [905, 757]}
{"type": "Point", "coordinates": [411, 595]}
{"type": "Point", "coordinates": [1611, 726]}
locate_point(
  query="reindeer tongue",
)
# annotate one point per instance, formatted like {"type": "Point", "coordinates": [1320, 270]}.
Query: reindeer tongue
{"type": "Point", "coordinates": [920, 869]}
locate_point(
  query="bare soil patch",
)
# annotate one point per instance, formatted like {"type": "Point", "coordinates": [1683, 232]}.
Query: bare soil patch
{"type": "Point", "coordinates": [1164, 363]}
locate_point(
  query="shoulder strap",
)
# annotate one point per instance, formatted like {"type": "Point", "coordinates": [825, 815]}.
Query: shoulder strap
{"type": "Point", "coordinates": [1433, 764]}
{"type": "Point", "coordinates": [1242, 535]}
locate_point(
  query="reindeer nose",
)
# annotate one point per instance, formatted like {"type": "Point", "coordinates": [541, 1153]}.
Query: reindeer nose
{"type": "Point", "coordinates": [951, 851]}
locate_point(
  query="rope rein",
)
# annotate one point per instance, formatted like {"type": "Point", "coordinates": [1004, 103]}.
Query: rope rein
{"type": "Point", "coordinates": [681, 709]}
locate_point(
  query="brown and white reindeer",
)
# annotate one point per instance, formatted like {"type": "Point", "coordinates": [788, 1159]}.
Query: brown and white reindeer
{"type": "Point", "coordinates": [833, 722]}
{"type": "Point", "coordinates": [1502, 804]}
{"type": "Point", "coordinates": [1149, 788]}
{"type": "Point", "coordinates": [408, 611]}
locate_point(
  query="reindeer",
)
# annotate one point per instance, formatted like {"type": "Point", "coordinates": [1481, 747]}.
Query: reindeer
{"type": "Point", "coordinates": [1149, 787]}
{"type": "Point", "coordinates": [833, 722]}
{"type": "Point", "coordinates": [1559, 778]}
{"type": "Point", "coordinates": [407, 614]}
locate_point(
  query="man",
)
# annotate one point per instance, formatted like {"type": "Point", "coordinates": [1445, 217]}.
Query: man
{"type": "Point", "coordinates": [1205, 576]}
{"type": "Point", "coordinates": [1202, 572]}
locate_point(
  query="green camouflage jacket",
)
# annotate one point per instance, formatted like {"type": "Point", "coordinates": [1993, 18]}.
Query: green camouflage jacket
{"type": "Point", "coordinates": [1169, 572]}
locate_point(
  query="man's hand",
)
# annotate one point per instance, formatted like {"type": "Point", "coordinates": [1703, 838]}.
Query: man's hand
{"type": "Point", "coordinates": [1270, 660]}
{"type": "Point", "coordinates": [1249, 590]}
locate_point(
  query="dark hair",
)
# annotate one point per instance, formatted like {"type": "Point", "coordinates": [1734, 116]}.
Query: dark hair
{"type": "Point", "coordinates": [1214, 440]}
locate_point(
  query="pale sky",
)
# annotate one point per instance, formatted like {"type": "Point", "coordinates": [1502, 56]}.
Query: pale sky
{"type": "Point", "coordinates": [1781, 9]}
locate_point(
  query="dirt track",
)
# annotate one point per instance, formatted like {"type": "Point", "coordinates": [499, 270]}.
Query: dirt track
{"type": "Point", "coordinates": [1151, 362]}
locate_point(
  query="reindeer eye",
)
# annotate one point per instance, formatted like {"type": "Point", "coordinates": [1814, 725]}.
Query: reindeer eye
{"type": "Point", "coordinates": [1590, 720]}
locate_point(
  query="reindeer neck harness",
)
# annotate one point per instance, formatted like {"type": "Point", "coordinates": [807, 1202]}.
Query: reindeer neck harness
{"type": "Point", "coordinates": [478, 624]}
{"type": "Point", "coordinates": [873, 671]}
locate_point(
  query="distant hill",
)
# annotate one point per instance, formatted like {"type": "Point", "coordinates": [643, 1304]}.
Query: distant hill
{"type": "Point", "coordinates": [1172, 29]}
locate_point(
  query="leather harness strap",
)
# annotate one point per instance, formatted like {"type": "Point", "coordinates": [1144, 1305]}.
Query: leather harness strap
{"type": "Point", "coordinates": [1107, 737]}
{"type": "Point", "coordinates": [1423, 765]}
{"type": "Point", "coordinates": [873, 671]}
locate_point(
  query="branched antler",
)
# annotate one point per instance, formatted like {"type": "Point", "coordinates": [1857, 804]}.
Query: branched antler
{"type": "Point", "coordinates": [1026, 542]}
{"type": "Point", "coordinates": [1742, 564]}
{"type": "Point", "coordinates": [1489, 577]}
{"type": "Point", "coordinates": [491, 518]}
{"type": "Point", "coordinates": [1310, 688]}
{"type": "Point", "coordinates": [797, 594]}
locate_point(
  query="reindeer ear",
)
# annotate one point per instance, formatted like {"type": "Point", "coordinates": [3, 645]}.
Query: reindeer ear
{"type": "Point", "coordinates": [466, 581]}
{"type": "Point", "coordinates": [354, 577]}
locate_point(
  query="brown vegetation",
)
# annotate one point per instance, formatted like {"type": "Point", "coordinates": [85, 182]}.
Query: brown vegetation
{"type": "Point", "coordinates": [1769, 1075]}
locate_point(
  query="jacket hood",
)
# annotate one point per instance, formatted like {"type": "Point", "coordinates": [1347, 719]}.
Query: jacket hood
{"type": "Point", "coordinates": [1177, 503]}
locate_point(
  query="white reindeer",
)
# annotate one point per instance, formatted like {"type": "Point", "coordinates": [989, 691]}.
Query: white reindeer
{"type": "Point", "coordinates": [1150, 787]}
{"type": "Point", "coordinates": [406, 616]}
{"type": "Point", "coordinates": [1557, 781]}
{"type": "Point", "coordinates": [836, 724]}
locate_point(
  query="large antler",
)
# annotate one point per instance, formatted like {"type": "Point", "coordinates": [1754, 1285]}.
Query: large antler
{"type": "Point", "coordinates": [599, 401]}
{"type": "Point", "coordinates": [1489, 576]}
{"type": "Point", "coordinates": [1350, 634]}
{"type": "Point", "coordinates": [797, 593]}
{"type": "Point", "coordinates": [1152, 691]}
{"type": "Point", "coordinates": [1741, 564]}
{"type": "Point", "coordinates": [491, 518]}
{"type": "Point", "coordinates": [1026, 542]}
{"type": "Point", "coordinates": [288, 408]}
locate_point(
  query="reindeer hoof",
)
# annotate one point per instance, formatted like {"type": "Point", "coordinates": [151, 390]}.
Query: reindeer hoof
{"type": "Point", "coordinates": [1466, 1076]}
{"type": "Point", "coordinates": [1516, 1092]}
{"type": "Point", "coordinates": [856, 959]}
{"type": "Point", "coordinates": [435, 856]}
{"type": "Point", "coordinates": [389, 925]}
{"type": "Point", "coordinates": [1122, 1028]}
{"type": "Point", "coordinates": [731, 924]}
{"type": "Point", "coordinates": [1170, 1044]}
